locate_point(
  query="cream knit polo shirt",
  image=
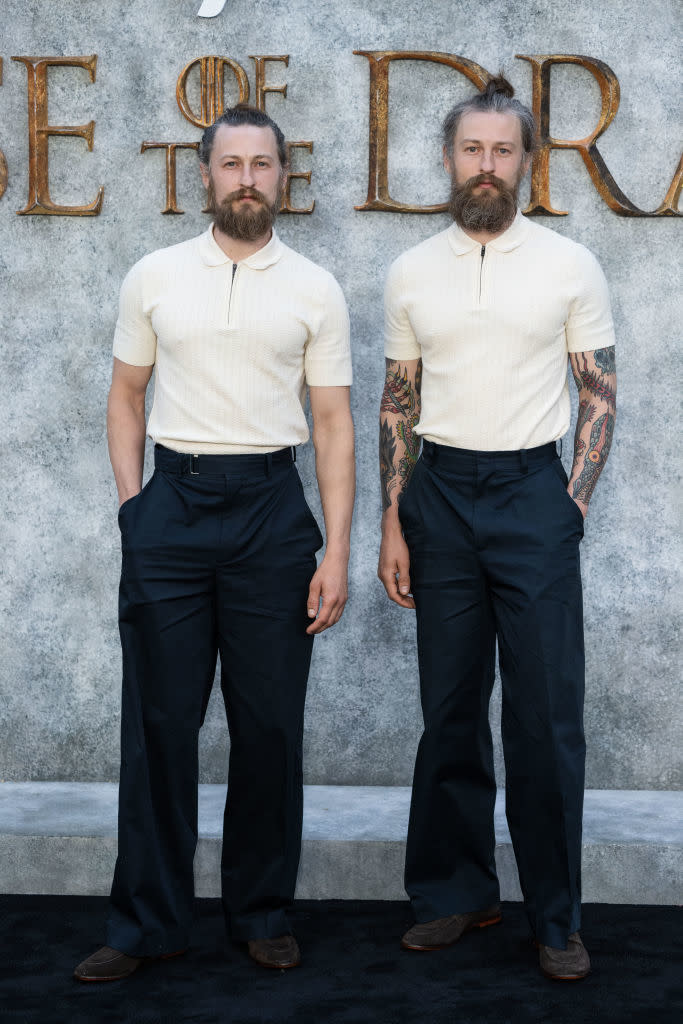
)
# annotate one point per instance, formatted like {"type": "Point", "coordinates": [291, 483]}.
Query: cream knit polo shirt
{"type": "Point", "coordinates": [233, 345]}
{"type": "Point", "coordinates": [493, 326]}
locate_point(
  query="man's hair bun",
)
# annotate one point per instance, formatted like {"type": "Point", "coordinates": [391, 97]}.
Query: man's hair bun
{"type": "Point", "coordinates": [496, 97]}
{"type": "Point", "coordinates": [498, 84]}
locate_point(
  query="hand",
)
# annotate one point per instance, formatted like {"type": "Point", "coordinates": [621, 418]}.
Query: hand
{"type": "Point", "coordinates": [127, 497]}
{"type": "Point", "coordinates": [330, 584]}
{"type": "Point", "coordinates": [583, 506]}
{"type": "Point", "coordinates": [394, 568]}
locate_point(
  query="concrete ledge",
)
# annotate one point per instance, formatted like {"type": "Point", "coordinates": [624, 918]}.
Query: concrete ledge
{"type": "Point", "coordinates": [60, 838]}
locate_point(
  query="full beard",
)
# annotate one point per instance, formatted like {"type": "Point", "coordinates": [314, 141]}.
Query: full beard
{"type": "Point", "coordinates": [246, 221]}
{"type": "Point", "coordinates": [490, 211]}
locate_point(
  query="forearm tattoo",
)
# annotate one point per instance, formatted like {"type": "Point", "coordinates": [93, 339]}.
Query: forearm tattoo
{"type": "Point", "coordinates": [399, 414]}
{"type": "Point", "coordinates": [598, 450]}
{"type": "Point", "coordinates": [387, 452]}
{"type": "Point", "coordinates": [586, 414]}
{"type": "Point", "coordinates": [597, 406]}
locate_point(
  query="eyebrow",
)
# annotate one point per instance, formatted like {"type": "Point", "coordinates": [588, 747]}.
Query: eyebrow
{"type": "Point", "coordinates": [500, 142]}
{"type": "Point", "coordinates": [236, 156]}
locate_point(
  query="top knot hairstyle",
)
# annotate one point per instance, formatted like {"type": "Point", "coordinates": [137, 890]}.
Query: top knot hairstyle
{"type": "Point", "coordinates": [497, 97]}
{"type": "Point", "coordinates": [236, 116]}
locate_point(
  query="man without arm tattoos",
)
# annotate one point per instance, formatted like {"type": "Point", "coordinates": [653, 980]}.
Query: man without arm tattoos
{"type": "Point", "coordinates": [218, 549]}
{"type": "Point", "coordinates": [481, 532]}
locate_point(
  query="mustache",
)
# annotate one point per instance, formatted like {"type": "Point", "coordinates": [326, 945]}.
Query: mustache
{"type": "Point", "coordinates": [489, 179]}
{"type": "Point", "coordinates": [244, 193]}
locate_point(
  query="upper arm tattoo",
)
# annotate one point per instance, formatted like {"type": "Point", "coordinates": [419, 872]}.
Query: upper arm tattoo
{"type": "Point", "coordinates": [593, 381]}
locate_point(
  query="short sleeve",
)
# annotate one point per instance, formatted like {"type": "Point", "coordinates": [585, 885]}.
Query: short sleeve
{"type": "Point", "coordinates": [589, 325]}
{"type": "Point", "coordinates": [327, 357]}
{"type": "Point", "coordinates": [134, 339]}
{"type": "Point", "coordinates": [399, 338]}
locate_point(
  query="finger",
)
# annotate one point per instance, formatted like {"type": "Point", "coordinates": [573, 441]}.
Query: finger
{"type": "Point", "coordinates": [328, 615]}
{"type": "Point", "coordinates": [389, 583]}
{"type": "Point", "coordinates": [313, 599]}
{"type": "Point", "coordinates": [403, 579]}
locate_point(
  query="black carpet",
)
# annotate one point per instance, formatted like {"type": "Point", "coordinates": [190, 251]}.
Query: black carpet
{"type": "Point", "coordinates": [353, 971]}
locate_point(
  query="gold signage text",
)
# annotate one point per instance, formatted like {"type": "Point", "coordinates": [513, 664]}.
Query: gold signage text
{"type": "Point", "coordinates": [260, 87]}
{"type": "Point", "coordinates": [212, 70]}
{"type": "Point", "coordinates": [378, 197]}
{"type": "Point", "coordinates": [212, 104]}
{"type": "Point", "coordinates": [39, 132]}
{"type": "Point", "coordinates": [211, 82]}
{"type": "Point", "coordinates": [540, 202]}
{"type": "Point", "coordinates": [171, 149]}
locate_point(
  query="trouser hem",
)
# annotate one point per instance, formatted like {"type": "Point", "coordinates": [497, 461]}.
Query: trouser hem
{"type": "Point", "coordinates": [555, 935]}
{"type": "Point", "coordinates": [146, 945]}
{"type": "Point", "coordinates": [262, 925]}
{"type": "Point", "coordinates": [425, 912]}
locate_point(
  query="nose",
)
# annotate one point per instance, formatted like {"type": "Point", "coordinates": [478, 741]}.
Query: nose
{"type": "Point", "coordinates": [247, 176]}
{"type": "Point", "coordinates": [487, 162]}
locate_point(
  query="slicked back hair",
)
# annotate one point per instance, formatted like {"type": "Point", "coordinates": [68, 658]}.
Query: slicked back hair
{"type": "Point", "coordinates": [497, 97]}
{"type": "Point", "coordinates": [239, 115]}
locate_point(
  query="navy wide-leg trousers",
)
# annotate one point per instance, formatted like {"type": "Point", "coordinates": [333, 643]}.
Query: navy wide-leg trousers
{"type": "Point", "coordinates": [494, 550]}
{"type": "Point", "coordinates": [218, 554]}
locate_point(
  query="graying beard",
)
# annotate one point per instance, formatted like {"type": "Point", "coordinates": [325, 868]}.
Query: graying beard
{"type": "Point", "coordinates": [485, 213]}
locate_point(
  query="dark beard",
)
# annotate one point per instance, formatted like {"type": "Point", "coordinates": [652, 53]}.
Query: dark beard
{"type": "Point", "coordinates": [244, 223]}
{"type": "Point", "coordinates": [489, 211]}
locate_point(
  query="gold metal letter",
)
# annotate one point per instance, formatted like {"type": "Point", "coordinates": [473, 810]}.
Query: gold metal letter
{"type": "Point", "coordinates": [607, 187]}
{"type": "Point", "coordinates": [378, 179]}
{"type": "Point", "coordinates": [171, 148]}
{"type": "Point", "coordinates": [211, 78]}
{"type": "Point", "coordinates": [286, 205]}
{"type": "Point", "coordinates": [260, 87]}
{"type": "Point", "coordinates": [39, 131]}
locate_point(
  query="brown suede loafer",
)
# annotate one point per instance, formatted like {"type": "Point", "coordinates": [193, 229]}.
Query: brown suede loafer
{"type": "Point", "coordinates": [280, 952]}
{"type": "Point", "coordinates": [570, 964]}
{"type": "Point", "coordinates": [109, 964]}
{"type": "Point", "coordinates": [444, 931]}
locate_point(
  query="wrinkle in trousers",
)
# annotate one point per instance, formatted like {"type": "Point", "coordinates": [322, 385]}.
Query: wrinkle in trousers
{"type": "Point", "coordinates": [494, 555]}
{"type": "Point", "coordinates": [212, 563]}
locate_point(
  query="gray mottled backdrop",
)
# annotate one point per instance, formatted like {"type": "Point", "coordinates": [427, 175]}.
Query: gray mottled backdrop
{"type": "Point", "coordinates": [59, 283]}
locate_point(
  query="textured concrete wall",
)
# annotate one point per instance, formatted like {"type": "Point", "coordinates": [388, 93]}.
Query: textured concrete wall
{"type": "Point", "coordinates": [59, 282]}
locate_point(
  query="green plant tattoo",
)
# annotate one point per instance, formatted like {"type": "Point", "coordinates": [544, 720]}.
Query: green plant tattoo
{"type": "Point", "coordinates": [400, 399]}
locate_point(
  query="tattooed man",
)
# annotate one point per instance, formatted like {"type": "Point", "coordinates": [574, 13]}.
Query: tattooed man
{"type": "Point", "coordinates": [219, 548]}
{"type": "Point", "coordinates": [481, 532]}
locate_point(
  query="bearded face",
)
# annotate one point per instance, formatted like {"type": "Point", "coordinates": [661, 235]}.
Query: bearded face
{"type": "Point", "coordinates": [244, 214]}
{"type": "Point", "coordinates": [491, 208]}
{"type": "Point", "coordinates": [486, 162]}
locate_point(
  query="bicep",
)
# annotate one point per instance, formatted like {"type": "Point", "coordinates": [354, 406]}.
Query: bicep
{"type": "Point", "coordinates": [329, 405]}
{"type": "Point", "coordinates": [402, 385]}
{"type": "Point", "coordinates": [129, 382]}
{"type": "Point", "coordinates": [595, 372]}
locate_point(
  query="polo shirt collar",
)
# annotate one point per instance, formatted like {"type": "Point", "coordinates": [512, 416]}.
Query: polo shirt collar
{"type": "Point", "coordinates": [213, 255]}
{"type": "Point", "coordinates": [513, 236]}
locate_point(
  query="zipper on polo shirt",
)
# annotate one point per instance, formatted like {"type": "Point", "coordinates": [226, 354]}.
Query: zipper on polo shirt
{"type": "Point", "coordinates": [232, 283]}
{"type": "Point", "coordinates": [481, 268]}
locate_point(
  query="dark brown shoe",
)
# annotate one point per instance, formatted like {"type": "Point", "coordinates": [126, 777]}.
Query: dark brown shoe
{"type": "Point", "coordinates": [570, 964]}
{"type": "Point", "coordinates": [444, 931]}
{"type": "Point", "coordinates": [280, 952]}
{"type": "Point", "coordinates": [109, 964]}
